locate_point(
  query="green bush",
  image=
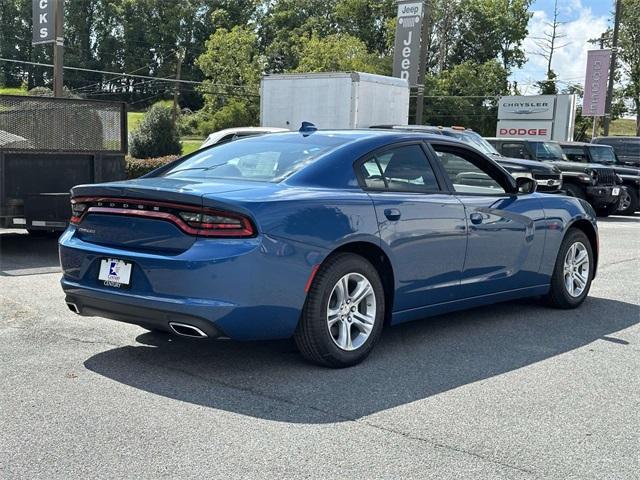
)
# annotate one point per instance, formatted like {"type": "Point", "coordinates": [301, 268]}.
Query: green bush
{"type": "Point", "coordinates": [156, 135]}
{"type": "Point", "coordinates": [136, 167]}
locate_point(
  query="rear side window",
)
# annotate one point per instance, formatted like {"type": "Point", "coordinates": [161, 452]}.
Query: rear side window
{"type": "Point", "coordinates": [401, 169]}
{"type": "Point", "coordinates": [575, 154]}
{"type": "Point", "coordinates": [514, 150]}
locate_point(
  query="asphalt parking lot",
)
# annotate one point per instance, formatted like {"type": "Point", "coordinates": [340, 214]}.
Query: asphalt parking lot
{"type": "Point", "coordinates": [510, 391]}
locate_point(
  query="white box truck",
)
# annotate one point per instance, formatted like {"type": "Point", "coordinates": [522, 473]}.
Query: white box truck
{"type": "Point", "coordinates": [333, 100]}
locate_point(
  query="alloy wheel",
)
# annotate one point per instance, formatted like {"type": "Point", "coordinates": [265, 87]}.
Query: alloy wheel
{"type": "Point", "coordinates": [351, 311]}
{"type": "Point", "coordinates": [625, 201]}
{"type": "Point", "coordinates": [576, 269]}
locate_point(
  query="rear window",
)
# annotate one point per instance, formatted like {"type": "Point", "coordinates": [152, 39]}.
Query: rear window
{"type": "Point", "coordinates": [269, 158]}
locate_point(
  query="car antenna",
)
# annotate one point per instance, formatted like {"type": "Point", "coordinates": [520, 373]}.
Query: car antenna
{"type": "Point", "coordinates": [307, 128]}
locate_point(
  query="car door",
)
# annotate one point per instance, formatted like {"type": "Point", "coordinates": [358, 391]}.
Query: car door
{"type": "Point", "coordinates": [421, 225]}
{"type": "Point", "coordinates": [505, 230]}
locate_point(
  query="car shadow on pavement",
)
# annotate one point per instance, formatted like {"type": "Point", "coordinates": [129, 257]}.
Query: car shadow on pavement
{"type": "Point", "coordinates": [413, 361]}
{"type": "Point", "coordinates": [25, 254]}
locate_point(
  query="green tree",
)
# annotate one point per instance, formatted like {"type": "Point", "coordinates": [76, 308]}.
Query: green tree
{"type": "Point", "coordinates": [232, 67]}
{"type": "Point", "coordinates": [338, 52]}
{"type": "Point", "coordinates": [466, 95]}
{"type": "Point", "coordinates": [630, 53]}
{"type": "Point", "coordinates": [156, 135]}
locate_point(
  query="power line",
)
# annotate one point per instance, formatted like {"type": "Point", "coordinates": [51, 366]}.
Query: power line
{"type": "Point", "coordinates": [160, 79]}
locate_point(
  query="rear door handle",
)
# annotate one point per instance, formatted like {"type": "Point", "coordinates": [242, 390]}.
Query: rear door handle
{"type": "Point", "coordinates": [476, 218]}
{"type": "Point", "coordinates": [392, 214]}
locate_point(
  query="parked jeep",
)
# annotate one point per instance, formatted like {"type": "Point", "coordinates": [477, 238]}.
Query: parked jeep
{"type": "Point", "coordinates": [627, 148]}
{"type": "Point", "coordinates": [605, 155]}
{"type": "Point", "coordinates": [548, 177]}
{"type": "Point", "coordinates": [593, 182]}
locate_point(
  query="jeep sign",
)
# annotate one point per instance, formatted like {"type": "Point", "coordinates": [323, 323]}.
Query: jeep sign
{"type": "Point", "coordinates": [406, 56]}
{"type": "Point", "coordinates": [43, 21]}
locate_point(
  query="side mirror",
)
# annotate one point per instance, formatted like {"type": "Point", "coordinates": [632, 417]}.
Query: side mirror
{"type": "Point", "coordinates": [526, 185]}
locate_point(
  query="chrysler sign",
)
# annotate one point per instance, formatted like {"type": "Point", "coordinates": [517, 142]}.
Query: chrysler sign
{"type": "Point", "coordinates": [533, 107]}
{"type": "Point", "coordinates": [406, 56]}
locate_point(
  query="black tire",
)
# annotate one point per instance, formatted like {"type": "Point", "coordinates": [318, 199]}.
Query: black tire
{"type": "Point", "coordinates": [559, 295]}
{"type": "Point", "coordinates": [574, 191]}
{"type": "Point", "coordinates": [313, 337]}
{"type": "Point", "coordinates": [44, 233]}
{"type": "Point", "coordinates": [608, 210]}
{"type": "Point", "coordinates": [632, 198]}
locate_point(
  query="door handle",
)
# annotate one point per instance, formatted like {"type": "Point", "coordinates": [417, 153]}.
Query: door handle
{"type": "Point", "coordinates": [476, 218]}
{"type": "Point", "coordinates": [392, 214]}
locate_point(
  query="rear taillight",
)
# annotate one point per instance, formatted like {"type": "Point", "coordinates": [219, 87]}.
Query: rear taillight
{"type": "Point", "coordinates": [77, 210]}
{"type": "Point", "coordinates": [190, 219]}
{"type": "Point", "coordinates": [218, 224]}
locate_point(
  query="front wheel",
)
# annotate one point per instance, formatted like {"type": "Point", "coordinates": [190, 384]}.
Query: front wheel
{"type": "Point", "coordinates": [343, 315]}
{"type": "Point", "coordinates": [574, 191]}
{"type": "Point", "coordinates": [628, 202]}
{"type": "Point", "coordinates": [573, 272]}
{"type": "Point", "coordinates": [608, 210]}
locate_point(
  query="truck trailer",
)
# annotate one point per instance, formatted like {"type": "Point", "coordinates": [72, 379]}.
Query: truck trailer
{"type": "Point", "coordinates": [333, 100]}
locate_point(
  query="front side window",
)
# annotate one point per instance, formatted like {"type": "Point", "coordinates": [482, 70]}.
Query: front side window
{"type": "Point", "coordinates": [465, 175]}
{"type": "Point", "coordinates": [259, 158]}
{"type": "Point", "coordinates": [603, 155]}
{"type": "Point", "coordinates": [400, 169]}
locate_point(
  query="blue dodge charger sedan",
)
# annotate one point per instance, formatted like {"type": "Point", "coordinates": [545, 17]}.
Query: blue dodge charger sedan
{"type": "Point", "coordinates": [324, 236]}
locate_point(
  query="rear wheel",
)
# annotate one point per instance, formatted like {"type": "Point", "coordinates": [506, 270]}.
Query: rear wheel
{"type": "Point", "coordinates": [573, 271]}
{"type": "Point", "coordinates": [628, 202]}
{"type": "Point", "coordinates": [343, 315]}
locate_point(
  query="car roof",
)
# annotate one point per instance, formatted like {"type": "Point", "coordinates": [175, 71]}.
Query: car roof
{"type": "Point", "coordinates": [584, 144]}
{"type": "Point", "coordinates": [512, 139]}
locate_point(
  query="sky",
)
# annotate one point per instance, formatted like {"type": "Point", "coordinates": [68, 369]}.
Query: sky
{"type": "Point", "coordinates": [584, 19]}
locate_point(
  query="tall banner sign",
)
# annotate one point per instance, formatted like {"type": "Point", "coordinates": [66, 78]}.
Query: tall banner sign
{"type": "Point", "coordinates": [406, 56]}
{"type": "Point", "coordinates": [43, 21]}
{"type": "Point", "coordinates": [595, 83]}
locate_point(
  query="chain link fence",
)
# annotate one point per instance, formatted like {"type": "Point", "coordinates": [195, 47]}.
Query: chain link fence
{"type": "Point", "coordinates": [56, 124]}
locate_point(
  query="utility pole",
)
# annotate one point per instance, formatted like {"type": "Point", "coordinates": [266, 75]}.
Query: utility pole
{"type": "Point", "coordinates": [422, 69]}
{"type": "Point", "coordinates": [58, 48]}
{"type": "Point", "coordinates": [176, 92]}
{"type": "Point", "coordinates": [612, 68]}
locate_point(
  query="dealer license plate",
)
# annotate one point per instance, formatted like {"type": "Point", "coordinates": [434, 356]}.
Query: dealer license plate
{"type": "Point", "coordinates": [615, 191]}
{"type": "Point", "coordinates": [115, 273]}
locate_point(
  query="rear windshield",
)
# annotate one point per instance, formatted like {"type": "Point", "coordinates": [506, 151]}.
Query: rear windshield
{"type": "Point", "coordinates": [475, 140]}
{"type": "Point", "coordinates": [269, 158]}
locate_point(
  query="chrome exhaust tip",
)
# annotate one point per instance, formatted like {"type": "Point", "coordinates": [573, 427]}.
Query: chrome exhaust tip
{"type": "Point", "coordinates": [187, 330]}
{"type": "Point", "coordinates": [73, 307]}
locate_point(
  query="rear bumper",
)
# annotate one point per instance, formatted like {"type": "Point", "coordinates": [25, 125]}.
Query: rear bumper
{"type": "Point", "coordinates": [242, 289]}
{"type": "Point", "coordinates": [153, 314]}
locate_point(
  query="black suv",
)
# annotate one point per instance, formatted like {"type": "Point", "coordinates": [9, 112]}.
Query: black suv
{"type": "Point", "coordinates": [627, 148]}
{"type": "Point", "coordinates": [548, 177]}
{"type": "Point", "coordinates": [593, 182]}
{"type": "Point", "coordinates": [604, 154]}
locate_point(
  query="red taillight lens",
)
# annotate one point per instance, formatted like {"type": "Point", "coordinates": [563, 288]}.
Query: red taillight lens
{"type": "Point", "coordinates": [77, 210]}
{"type": "Point", "coordinates": [218, 224]}
{"type": "Point", "coordinates": [188, 218]}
